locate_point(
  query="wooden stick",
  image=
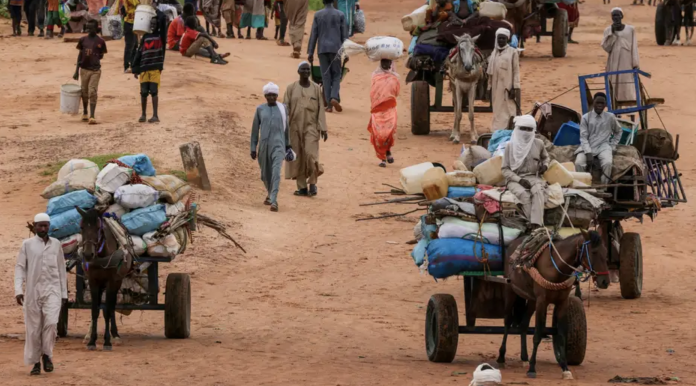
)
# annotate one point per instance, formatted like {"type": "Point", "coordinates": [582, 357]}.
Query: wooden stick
{"type": "Point", "coordinates": [218, 226]}
{"type": "Point", "coordinates": [388, 216]}
{"type": "Point", "coordinates": [395, 188]}
{"type": "Point", "coordinates": [392, 201]}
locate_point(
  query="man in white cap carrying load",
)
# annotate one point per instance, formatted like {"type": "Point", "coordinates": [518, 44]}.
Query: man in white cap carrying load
{"type": "Point", "coordinates": [269, 142]}
{"type": "Point", "coordinates": [307, 123]}
{"type": "Point", "coordinates": [504, 80]}
{"type": "Point", "coordinates": [621, 43]}
{"type": "Point", "coordinates": [524, 163]}
{"type": "Point", "coordinates": [40, 263]}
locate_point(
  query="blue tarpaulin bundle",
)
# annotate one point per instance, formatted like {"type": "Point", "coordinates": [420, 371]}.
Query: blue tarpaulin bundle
{"type": "Point", "coordinates": [498, 137]}
{"type": "Point", "coordinates": [460, 191]}
{"type": "Point", "coordinates": [140, 163]}
{"type": "Point", "coordinates": [81, 198]}
{"type": "Point", "coordinates": [65, 224]}
{"type": "Point", "coordinates": [449, 257]}
{"type": "Point", "coordinates": [143, 220]}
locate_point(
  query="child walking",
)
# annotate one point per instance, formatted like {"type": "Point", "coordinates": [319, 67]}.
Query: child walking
{"type": "Point", "coordinates": [16, 14]}
{"type": "Point", "coordinates": [148, 65]}
{"type": "Point", "coordinates": [53, 19]}
{"type": "Point", "coordinates": [92, 49]}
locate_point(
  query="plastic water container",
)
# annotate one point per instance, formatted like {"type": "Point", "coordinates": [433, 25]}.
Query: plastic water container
{"type": "Point", "coordinates": [143, 16]}
{"type": "Point", "coordinates": [569, 166]}
{"type": "Point", "coordinates": [70, 98]}
{"type": "Point", "coordinates": [585, 178]}
{"type": "Point", "coordinates": [489, 172]}
{"type": "Point", "coordinates": [411, 177]}
{"type": "Point", "coordinates": [434, 184]}
{"type": "Point", "coordinates": [568, 135]}
{"type": "Point", "coordinates": [461, 178]}
{"type": "Point", "coordinates": [414, 19]}
{"type": "Point", "coordinates": [558, 174]}
{"type": "Point", "coordinates": [105, 27]}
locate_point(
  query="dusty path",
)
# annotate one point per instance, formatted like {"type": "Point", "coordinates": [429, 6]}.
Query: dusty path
{"type": "Point", "coordinates": [320, 299]}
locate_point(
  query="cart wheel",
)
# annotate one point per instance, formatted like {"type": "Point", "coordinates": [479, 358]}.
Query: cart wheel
{"type": "Point", "coordinates": [559, 40]}
{"type": "Point", "coordinates": [177, 306]}
{"type": "Point", "coordinates": [631, 266]}
{"type": "Point", "coordinates": [420, 108]}
{"type": "Point", "coordinates": [63, 321]}
{"type": "Point", "coordinates": [660, 24]}
{"type": "Point", "coordinates": [441, 328]}
{"type": "Point", "coordinates": [576, 343]}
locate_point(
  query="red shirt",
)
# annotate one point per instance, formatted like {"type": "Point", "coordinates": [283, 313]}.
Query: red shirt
{"type": "Point", "coordinates": [175, 32]}
{"type": "Point", "coordinates": [190, 35]}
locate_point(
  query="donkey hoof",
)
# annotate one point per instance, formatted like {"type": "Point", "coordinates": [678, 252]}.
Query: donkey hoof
{"type": "Point", "coordinates": [567, 375]}
{"type": "Point", "coordinates": [455, 141]}
{"type": "Point", "coordinates": [531, 375]}
{"type": "Point", "coordinates": [501, 365]}
{"type": "Point", "coordinates": [107, 348]}
{"type": "Point", "coordinates": [117, 341]}
{"type": "Point", "coordinates": [91, 347]}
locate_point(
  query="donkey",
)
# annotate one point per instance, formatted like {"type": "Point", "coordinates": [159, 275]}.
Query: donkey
{"type": "Point", "coordinates": [465, 69]}
{"type": "Point", "coordinates": [549, 281]}
{"type": "Point", "coordinates": [106, 265]}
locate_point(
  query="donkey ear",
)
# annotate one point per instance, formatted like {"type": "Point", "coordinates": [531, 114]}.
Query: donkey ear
{"type": "Point", "coordinates": [459, 38]}
{"type": "Point", "coordinates": [79, 210]}
{"type": "Point", "coordinates": [475, 38]}
{"type": "Point", "coordinates": [585, 234]}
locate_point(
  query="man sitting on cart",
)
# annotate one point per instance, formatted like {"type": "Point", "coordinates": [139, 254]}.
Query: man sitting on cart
{"type": "Point", "coordinates": [600, 132]}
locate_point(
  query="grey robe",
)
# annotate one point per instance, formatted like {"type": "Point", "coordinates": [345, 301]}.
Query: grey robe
{"type": "Point", "coordinates": [269, 136]}
{"type": "Point", "coordinates": [504, 74]}
{"type": "Point", "coordinates": [622, 47]}
{"type": "Point", "coordinates": [532, 200]}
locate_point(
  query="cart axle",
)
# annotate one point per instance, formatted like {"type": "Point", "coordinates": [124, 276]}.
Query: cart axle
{"type": "Point", "coordinates": [501, 330]}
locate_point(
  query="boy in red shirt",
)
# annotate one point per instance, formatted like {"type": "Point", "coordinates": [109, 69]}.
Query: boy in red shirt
{"type": "Point", "coordinates": [177, 28]}
{"type": "Point", "coordinates": [92, 49]}
{"type": "Point", "coordinates": [197, 42]}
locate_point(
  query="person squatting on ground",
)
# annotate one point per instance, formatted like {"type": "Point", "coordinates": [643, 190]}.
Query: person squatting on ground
{"type": "Point", "coordinates": [296, 11]}
{"type": "Point", "coordinates": [600, 133]}
{"type": "Point", "coordinates": [270, 142]}
{"type": "Point", "coordinates": [40, 263]}
{"type": "Point", "coordinates": [621, 43]}
{"type": "Point", "coordinates": [307, 124]}
{"type": "Point", "coordinates": [53, 18]}
{"type": "Point", "coordinates": [130, 37]}
{"type": "Point", "coordinates": [328, 34]}
{"type": "Point", "coordinates": [148, 65]}
{"type": "Point", "coordinates": [383, 97]}
{"type": "Point", "coordinates": [92, 49]}
{"type": "Point", "coordinates": [178, 27]}
{"type": "Point", "coordinates": [524, 162]}
{"type": "Point", "coordinates": [504, 81]}
{"type": "Point", "coordinates": [197, 42]}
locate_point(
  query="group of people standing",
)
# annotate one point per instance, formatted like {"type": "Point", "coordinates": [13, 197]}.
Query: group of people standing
{"type": "Point", "coordinates": [39, 13]}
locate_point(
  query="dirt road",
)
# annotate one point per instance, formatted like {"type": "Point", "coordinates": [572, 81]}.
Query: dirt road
{"type": "Point", "coordinates": [320, 299]}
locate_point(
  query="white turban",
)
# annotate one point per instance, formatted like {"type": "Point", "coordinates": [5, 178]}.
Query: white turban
{"type": "Point", "coordinates": [617, 9]}
{"type": "Point", "coordinates": [305, 62]}
{"type": "Point", "coordinates": [502, 31]}
{"type": "Point", "coordinates": [271, 88]}
{"type": "Point", "coordinates": [521, 142]}
{"type": "Point", "coordinates": [41, 217]}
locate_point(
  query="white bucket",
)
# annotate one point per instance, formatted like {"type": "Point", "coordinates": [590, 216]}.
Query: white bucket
{"type": "Point", "coordinates": [143, 16]}
{"type": "Point", "coordinates": [105, 27]}
{"type": "Point", "coordinates": [70, 98]}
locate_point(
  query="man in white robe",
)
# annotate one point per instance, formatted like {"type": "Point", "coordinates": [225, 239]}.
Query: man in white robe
{"type": "Point", "coordinates": [621, 43]}
{"type": "Point", "coordinates": [40, 263]}
{"type": "Point", "coordinates": [504, 80]}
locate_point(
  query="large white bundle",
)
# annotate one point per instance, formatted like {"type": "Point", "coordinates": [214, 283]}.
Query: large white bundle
{"type": "Point", "coordinates": [164, 247]}
{"type": "Point", "coordinates": [70, 243]}
{"type": "Point", "coordinates": [492, 9]}
{"type": "Point", "coordinates": [455, 228]}
{"type": "Point", "coordinates": [473, 155]}
{"type": "Point", "coordinates": [77, 164]}
{"type": "Point", "coordinates": [486, 375]}
{"type": "Point", "coordinates": [116, 209]}
{"type": "Point", "coordinates": [135, 196]}
{"type": "Point", "coordinates": [113, 177]}
{"type": "Point", "coordinates": [82, 179]}
{"type": "Point", "coordinates": [414, 19]}
{"type": "Point", "coordinates": [376, 48]}
{"type": "Point", "coordinates": [139, 245]}
{"type": "Point", "coordinates": [174, 209]}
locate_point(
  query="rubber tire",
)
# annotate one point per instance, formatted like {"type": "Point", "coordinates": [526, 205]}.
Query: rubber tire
{"type": "Point", "coordinates": [576, 344]}
{"type": "Point", "coordinates": [559, 40]}
{"type": "Point", "coordinates": [63, 321]}
{"type": "Point", "coordinates": [631, 266]}
{"type": "Point", "coordinates": [177, 306]}
{"type": "Point", "coordinates": [441, 328]}
{"type": "Point", "coordinates": [420, 108]}
{"type": "Point", "coordinates": [660, 27]}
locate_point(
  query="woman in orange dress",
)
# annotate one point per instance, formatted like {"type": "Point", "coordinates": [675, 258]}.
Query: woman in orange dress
{"type": "Point", "coordinates": [382, 127]}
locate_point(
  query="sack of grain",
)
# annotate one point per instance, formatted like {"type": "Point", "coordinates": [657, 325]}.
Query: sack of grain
{"type": "Point", "coordinates": [139, 245]}
{"type": "Point", "coordinates": [70, 243]}
{"type": "Point", "coordinates": [65, 224]}
{"type": "Point", "coordinates": [81, 198]}
{"type": "Point", "coordinates": [170, 188]}
{"type": "Point", "coordinates": [164, 247]}
{"type": "Point", "coordinates": [473, 155]}
{"type": "Point", "coordinates": [113, 177]}
{"type": "Point", "coordinates": [77, 164]}
{"type": "Point", "coordinates": [116, 209]}
{"type": "Point", "coordinates": [135, 196]}
{"type": "Point", "coordinates": [144, 220]}
{"type": "Point", "coordinates": [82, 179]}
{"type": "Point", "coordinates": [376, 48]}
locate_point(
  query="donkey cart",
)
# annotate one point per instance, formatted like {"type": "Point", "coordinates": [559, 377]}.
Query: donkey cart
{"type": "Point", "coordinates": [177, 298]}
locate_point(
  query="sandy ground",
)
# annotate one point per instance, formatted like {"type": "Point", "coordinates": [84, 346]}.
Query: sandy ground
{"type": "Point", "coordinates": [320, 299]}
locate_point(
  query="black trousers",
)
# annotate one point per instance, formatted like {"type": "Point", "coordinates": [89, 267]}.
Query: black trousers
{"type": "Point", "coordinates": [283, 23]}
{"type": "Point", "coordinates": [131, 45]}
{"type": "Point", "coordinates": [149, 88]}
{"type": "Point", "coordinates": [30, 8]}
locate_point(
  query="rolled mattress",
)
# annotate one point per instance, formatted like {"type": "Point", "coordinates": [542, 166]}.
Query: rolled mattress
{"type": "Point", "coordinates": [448, 257]}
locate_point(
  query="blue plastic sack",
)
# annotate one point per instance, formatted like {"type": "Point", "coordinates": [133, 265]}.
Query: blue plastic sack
{"type": "Point", "coordinates": [460, 191]}
{"type": "Point", "coordinates": [498, 137]}
{"type": "Point", "coordinates": [140, 163]}
{"type": "Point", "coordinates": [418, 253]}
{"type": "Point", "coordinates": [449, 257]}
{"type": "Point", "coordinates": [65, 224]}
{"type": "Point", "coordinates": [79, 198]}
{"type": "Point", "coordinates": [143, 220]}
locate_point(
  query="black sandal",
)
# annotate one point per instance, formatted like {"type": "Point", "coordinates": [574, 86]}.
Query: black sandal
{"type": "Point", "coordinates": [267, 201]}
{"type": "Point", "coordinates": [301, 192]}
{"type": "Point", "coordinates": [274, 207]}
{"type": "Point", "coordinates": [390, 159]}
{"type": "Point", "coordinates": [47, 364]}
{"type": "Point", "coordinates": [383, 164]}
{"type": "Point", "coordinates": [36, 370]}
{"type": "Point", "coordinates": [312, 190]}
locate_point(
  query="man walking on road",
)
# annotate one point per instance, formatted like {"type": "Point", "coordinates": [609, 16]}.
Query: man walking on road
{"type": "Point", "coordinates": [40, 263]}
{"type": "Point", "coordinates": [621, 43]}
{"type": "Point", "coordinates": [504, 81]}
{"type": "Point", "coordinates": [307, 123]}
{"type": "Point", "coordinates": [296, 11]}
{"type": "Point", "coordinates": [328, 33]}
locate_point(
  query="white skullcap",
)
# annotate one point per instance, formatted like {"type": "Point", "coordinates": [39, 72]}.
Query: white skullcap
{"type": "Point", "coordinates": [41, 217]}
{"type": "Point", "coordinates": [305, 62]}
{"type": "Point", "coordinates": [617, 9]}
{"type": "Point", "coordinates": [502, 31]}
{"type": "Point", "coordinates": [271, 88]}
{"type": "Point", "coordinates": [525, 121]}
